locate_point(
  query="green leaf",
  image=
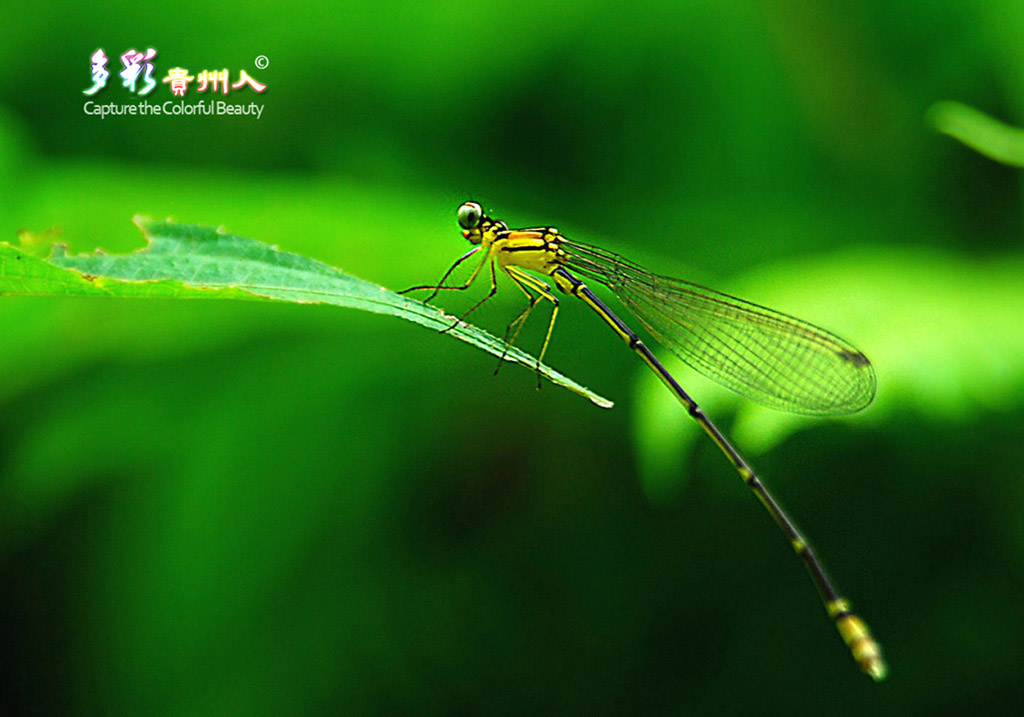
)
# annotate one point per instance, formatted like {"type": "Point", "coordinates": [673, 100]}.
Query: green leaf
{"type": "Point", "coordinates": [977, 130]}
{"type": "Point", "coordinates": [185, 261]}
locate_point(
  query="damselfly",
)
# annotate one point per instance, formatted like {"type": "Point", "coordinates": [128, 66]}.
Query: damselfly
{"type": "Point", "coordinates": [770, 357]}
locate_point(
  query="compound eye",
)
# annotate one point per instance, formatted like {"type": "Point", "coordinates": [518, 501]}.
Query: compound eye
{"type": "Point", "coordinates": [470, 215]}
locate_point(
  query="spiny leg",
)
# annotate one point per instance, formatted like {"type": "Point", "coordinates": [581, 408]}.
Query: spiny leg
{"type": "Point", "coordinates": [477, 305]}
{"type": "Point", "coordinates": [545, 292]}
{"type": "Point", "coordinates": [518, 322]}
{"type": "Point", "coordinates": [440, 285]}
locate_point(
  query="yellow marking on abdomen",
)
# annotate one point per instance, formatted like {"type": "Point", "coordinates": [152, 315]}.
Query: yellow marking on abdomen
{"type": "Point", "coordinates": [865, 650]}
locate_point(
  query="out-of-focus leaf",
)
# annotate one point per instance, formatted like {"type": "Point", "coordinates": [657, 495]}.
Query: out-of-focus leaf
{"type": "Point", "coordinates": [945, 335]}
{"type": "Point", "coordinates": [185, 261]}
{"type": "Point", "coordinates": [994, 139]}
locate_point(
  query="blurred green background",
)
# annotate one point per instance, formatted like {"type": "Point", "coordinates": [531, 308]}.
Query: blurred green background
{"type": "Point", "coordinates": [219, 508]}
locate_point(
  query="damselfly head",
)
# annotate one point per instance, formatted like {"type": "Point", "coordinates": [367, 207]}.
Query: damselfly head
{"type": "Point", "coordinates": [470, 214]}
{"type": "Point", "coordinates": [474, 222]}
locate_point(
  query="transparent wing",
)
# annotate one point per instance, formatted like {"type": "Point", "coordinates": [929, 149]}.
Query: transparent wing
{"type": "Point", "coordinates": [770, 357]}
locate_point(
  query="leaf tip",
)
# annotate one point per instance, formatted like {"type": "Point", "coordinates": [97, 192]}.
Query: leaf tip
{"type": "Point", "coordinates": [940, 114]}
